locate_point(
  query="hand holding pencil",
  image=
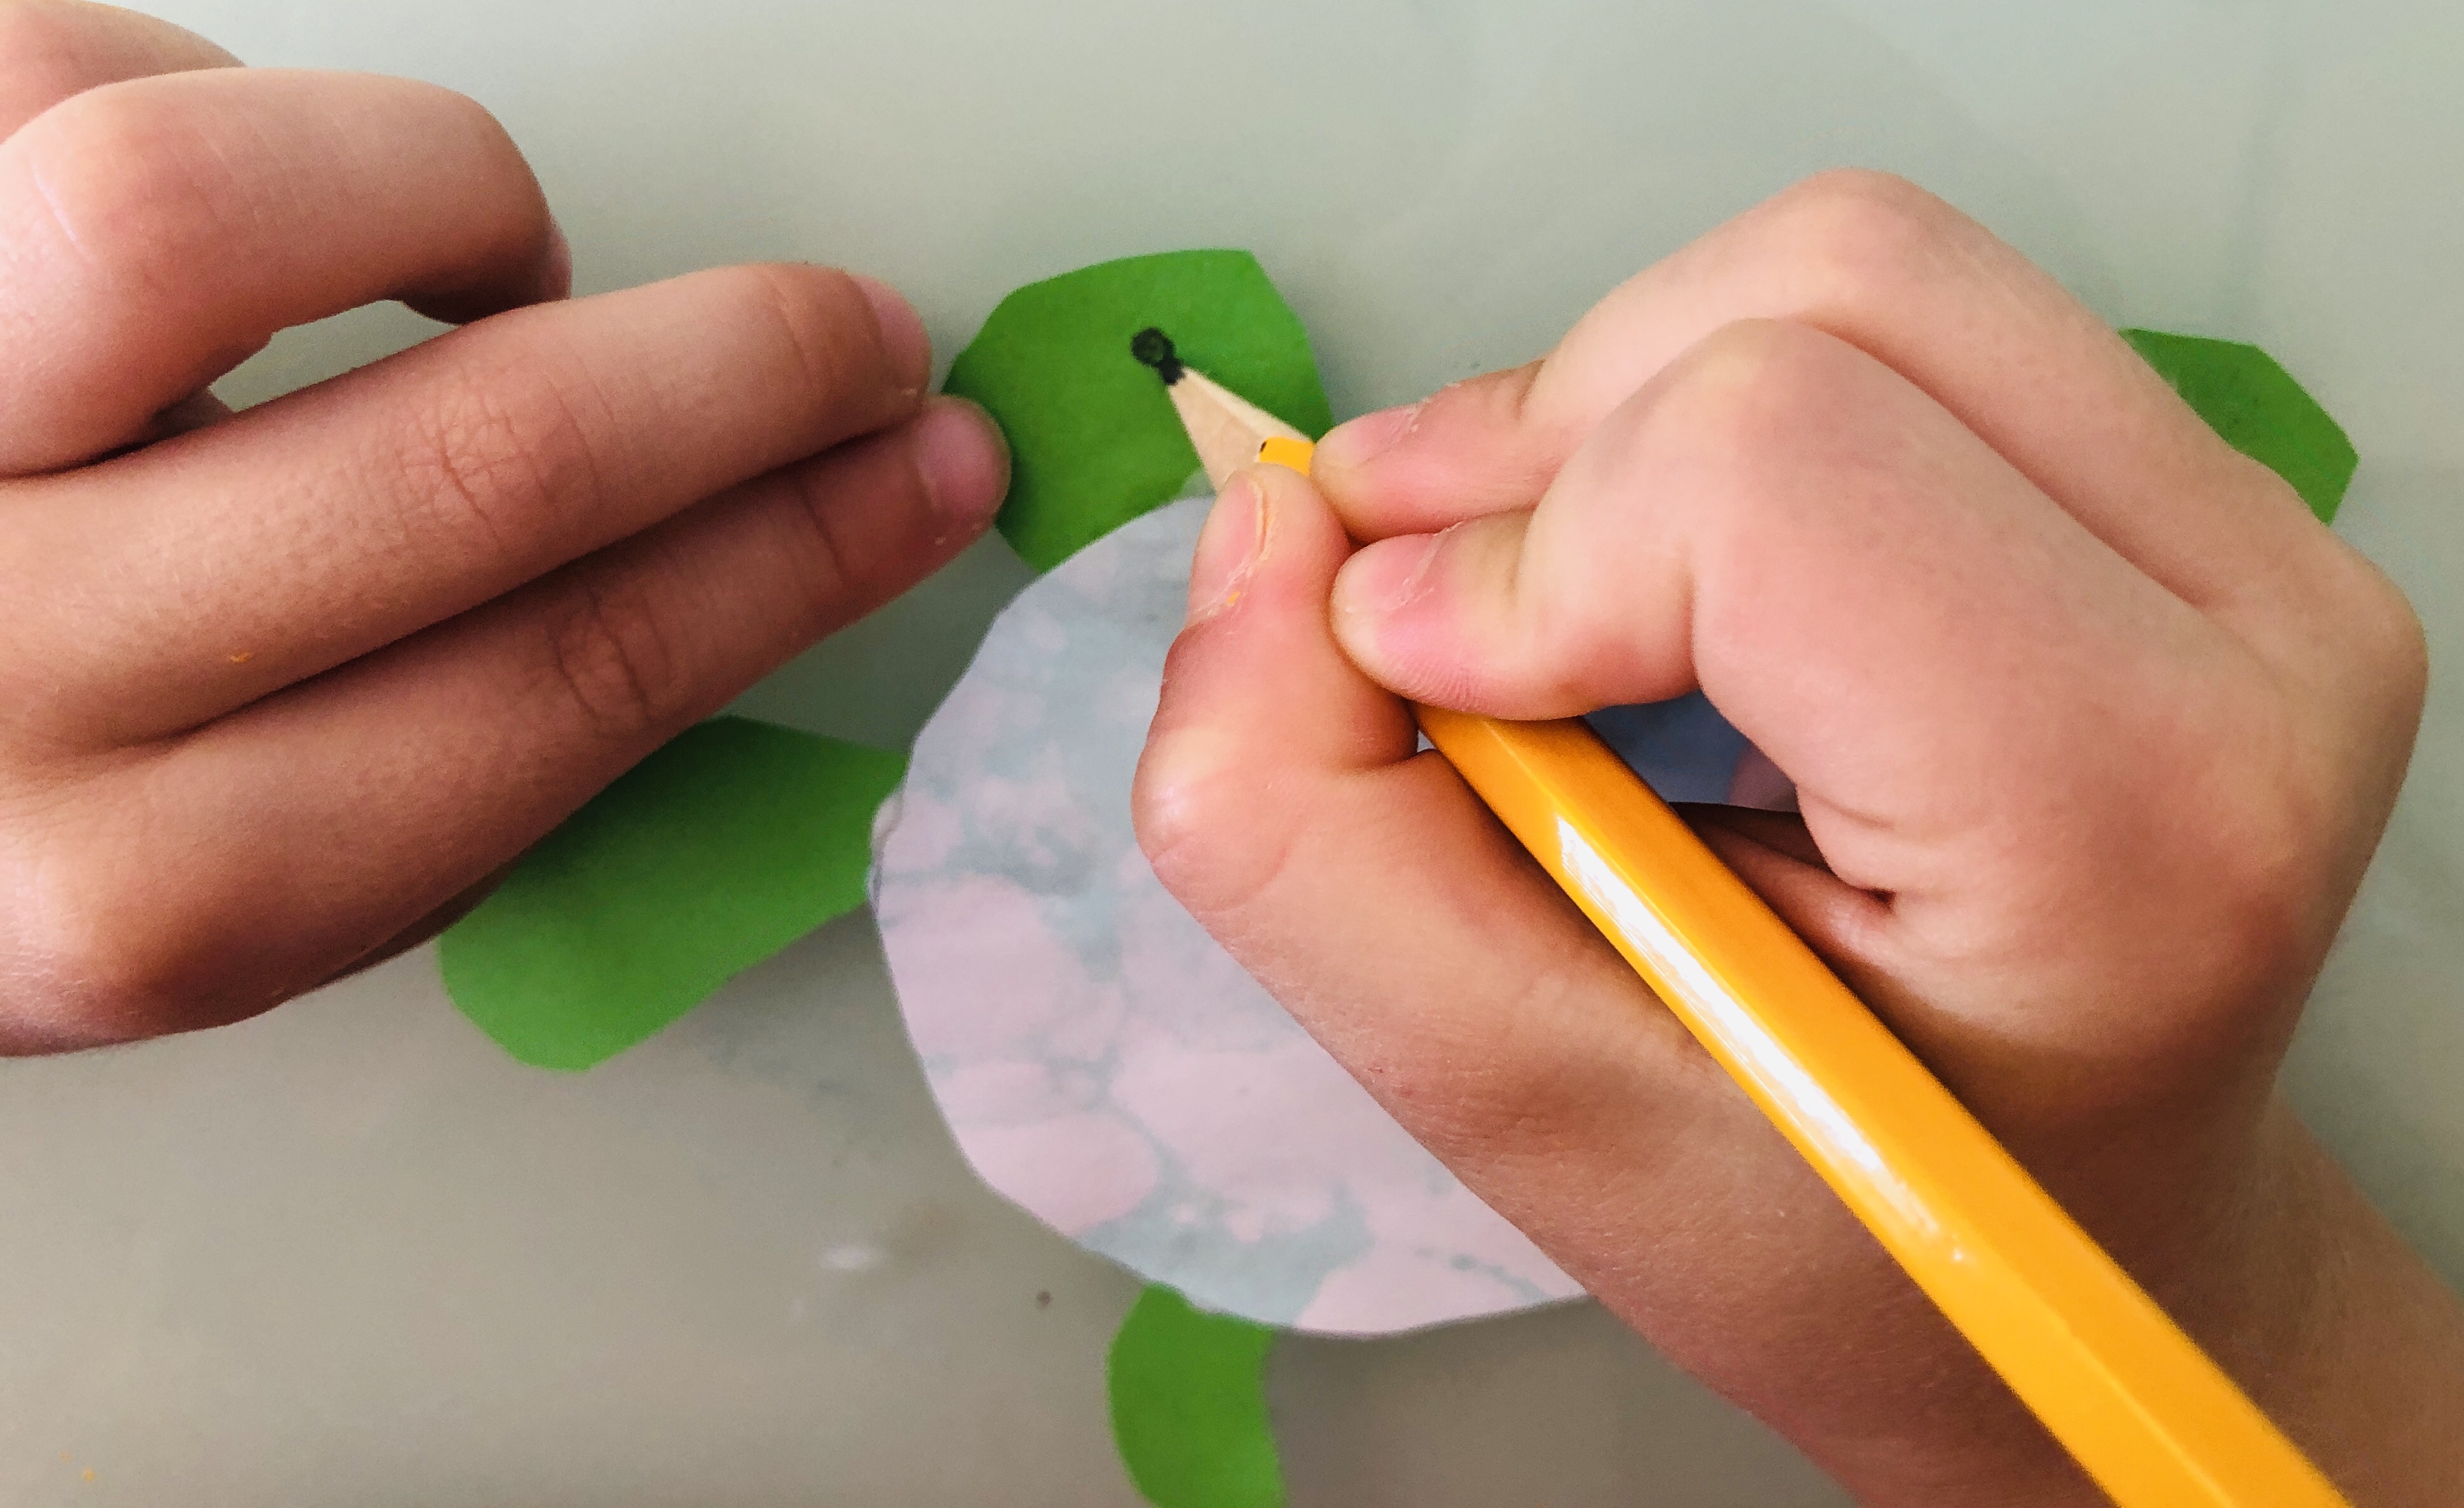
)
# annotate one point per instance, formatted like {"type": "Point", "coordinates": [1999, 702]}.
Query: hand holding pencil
{"type": "Point", "coordinates": [2094, 729]}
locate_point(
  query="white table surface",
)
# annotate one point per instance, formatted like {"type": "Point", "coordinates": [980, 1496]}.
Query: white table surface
{"type": "Point", "coordinates": [351, 1254]}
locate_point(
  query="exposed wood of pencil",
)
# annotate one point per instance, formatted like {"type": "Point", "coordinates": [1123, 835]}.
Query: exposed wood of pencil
{"type": "Point", "coordinates": [1225, 428]}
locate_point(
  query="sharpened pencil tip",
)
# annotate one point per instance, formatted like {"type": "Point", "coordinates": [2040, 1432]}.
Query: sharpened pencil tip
{"type": "Point", "coordinates": [1153, 348]}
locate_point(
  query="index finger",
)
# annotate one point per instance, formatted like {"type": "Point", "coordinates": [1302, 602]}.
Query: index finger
{"type": "Point", "coordinates": [1929, 293]}
{"type": "Point", "coordinates": [212, 569]}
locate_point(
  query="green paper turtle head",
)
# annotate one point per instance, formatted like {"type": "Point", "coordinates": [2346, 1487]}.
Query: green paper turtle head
{"type": "Point", "coordinates": [1094, 439]}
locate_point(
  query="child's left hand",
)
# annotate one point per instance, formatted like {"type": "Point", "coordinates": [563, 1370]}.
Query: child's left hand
{"type": "Point", "coordinates": [286, 689]}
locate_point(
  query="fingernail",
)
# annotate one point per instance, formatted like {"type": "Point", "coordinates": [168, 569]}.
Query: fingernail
{"type": "Point", "coordinates": [963, 460]}
{"type": "Point", "coordinates": [902, 331]}
{"type": "Point", "coordinates": [556, 275]}
{"type": "Point", "coordinates": [1415, 585]}
{"type": "Point", "coordinates": [1365, 439]}
{"type": "Point", "coordinates": [1387, 577]}
{"type": "Point", "coordinates": [1229, 549]}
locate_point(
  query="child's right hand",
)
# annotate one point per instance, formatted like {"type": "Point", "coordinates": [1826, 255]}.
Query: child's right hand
{"type": "Point", "coordinates": [2095, 729]}
{"type": "Point", "coordinates": [285, 690]}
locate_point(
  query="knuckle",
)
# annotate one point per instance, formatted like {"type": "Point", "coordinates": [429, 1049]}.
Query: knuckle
{"type": "Point", "coordinates": [823, 322]}
{"type": "Point", "coordinates": [838, 579]}
{"type": "Point", "coordinates": [1865, 234]}
{"type": "Point", "coordinates": [2255, 844]}
{"type": "Point", "coordinates": [2390, 650]}
{"type": "Point", "coordinates": [1197, 815]}
{"type": "Point", "coordinates": [2345, 633]}
{"type": "Point", "coordinates": [1174, 815]}
{"type": "Point", "coordinates": [131, 185]}
{"type": "Point", "coordinates": [612, 653]}
{"type": "Point", "coordinates": [1498, 403]}
{"type": "Point", "coordinates": [1749, 391]}
{"type": "Point", "coordinates": [461, 127]}
{"type": "Point", "coordinates": [451, 109]}
{"type": "Point", "coordinates": [2264, 879]}
{"type": "Point", "coordinates": [93, 963]}
{"type": "Point", "coordinates": [501, 456]}
{"type": "Point", "coordinates": [860, 527]}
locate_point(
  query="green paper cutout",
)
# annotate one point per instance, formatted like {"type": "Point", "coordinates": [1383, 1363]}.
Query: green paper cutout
{"type": "Point", "coordinates": [1189, 1406]}
{"type": "Point", "coordinates": [2248, 397]}
{"type": "Point", "coordinates": [732, 841]}
{"type": "Point", "coordinates": [1094, 439]}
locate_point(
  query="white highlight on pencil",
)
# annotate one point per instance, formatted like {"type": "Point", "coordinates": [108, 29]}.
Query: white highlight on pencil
{"type": "Point", "coordinates": [1780, 1076]}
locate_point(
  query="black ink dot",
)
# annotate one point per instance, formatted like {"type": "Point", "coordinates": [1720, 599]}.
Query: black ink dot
{"type": "Point", "coordinates": [1153, 348]}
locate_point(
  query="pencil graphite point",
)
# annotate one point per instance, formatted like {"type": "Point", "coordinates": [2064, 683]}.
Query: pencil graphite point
{"type": "Point", "coordinates": [1153, 348]}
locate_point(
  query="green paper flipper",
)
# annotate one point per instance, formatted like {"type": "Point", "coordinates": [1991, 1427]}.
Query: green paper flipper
{"type": "Point", "coordinates": [1189, 1406]}
{"type": "Point", "coordinates": [719, 850]}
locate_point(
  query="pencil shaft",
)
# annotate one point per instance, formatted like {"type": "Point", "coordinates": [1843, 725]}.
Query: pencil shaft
{"type": "Point", "coordinates": [2140, 1406]}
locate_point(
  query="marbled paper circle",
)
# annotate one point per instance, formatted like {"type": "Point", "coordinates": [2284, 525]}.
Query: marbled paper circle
{"type": "Point", "coordinates": [1102, 1063]}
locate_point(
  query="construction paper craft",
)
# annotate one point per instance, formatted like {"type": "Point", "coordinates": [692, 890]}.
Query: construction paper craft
{"type": "Point", "coordinates": [1101, 1061]}
{"type": "Point", "coordinates": [2255, 403]}
{"type": "Point", "coordinates": [1686, 751]}
{"type": "Point", "coordinates": [1189, 1406]}
{"type": "Point", "coordinates": [730, 843]}
{"type": "Point", "coordinates": [1092, 438]}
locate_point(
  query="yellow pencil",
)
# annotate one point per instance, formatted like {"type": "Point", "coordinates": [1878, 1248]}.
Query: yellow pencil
{"type": "Point", "coordinates": [2138, 1405]}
